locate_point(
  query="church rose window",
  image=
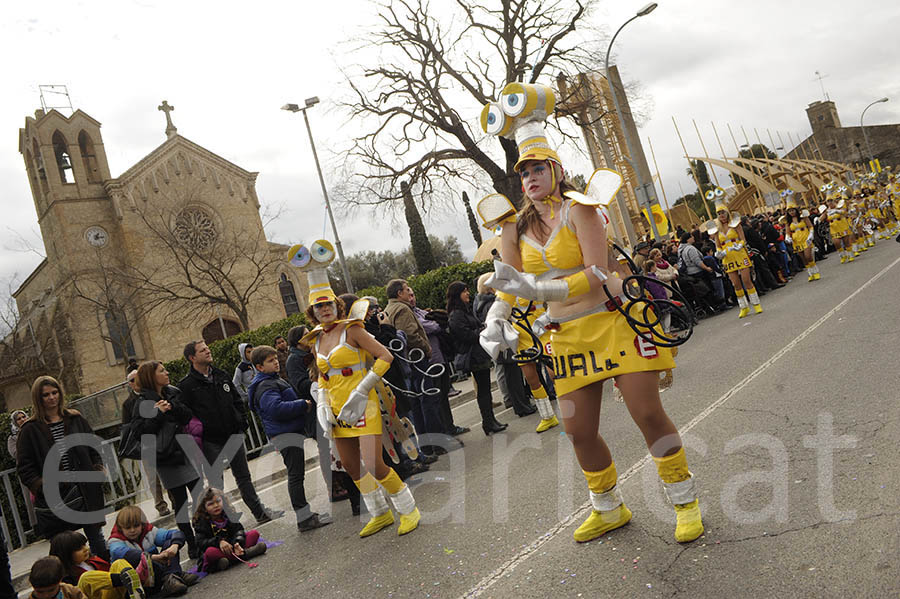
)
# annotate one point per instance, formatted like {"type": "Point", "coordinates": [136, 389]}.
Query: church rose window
{"type": "Point", "coordinates": [194, 227]}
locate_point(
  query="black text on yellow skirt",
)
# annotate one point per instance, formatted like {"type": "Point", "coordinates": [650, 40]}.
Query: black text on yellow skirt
{"type": "Point", "coordinates": [600, 346]}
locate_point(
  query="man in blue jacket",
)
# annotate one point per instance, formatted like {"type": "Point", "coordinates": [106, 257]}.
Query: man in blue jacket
{"type": "Point", "coordinates": [283, 416]}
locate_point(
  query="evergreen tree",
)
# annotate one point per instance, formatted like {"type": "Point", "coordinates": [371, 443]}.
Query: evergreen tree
{"type": "Point", "coordinates": [473, 224]}
{"type": "Point", "coordinates": [418, 238]}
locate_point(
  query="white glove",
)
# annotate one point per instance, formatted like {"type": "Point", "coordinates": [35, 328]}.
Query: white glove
{"type": "Point", "coordinates": [511, 281]}
{"type": "Point", "coordinates": [498, 334]}
{"type": "Point", "coordinates": [540, 323]}
{"type": "Point", "coordinates": [720, 254]}
{"type": "Point", "coordinates": [323, 410]}
{"type": "Point", "coordinates": [736, 246]}
{"type": "Point", "coordinates": [355, 406]}
{"type": "Point", "coordinates": [809, 237]}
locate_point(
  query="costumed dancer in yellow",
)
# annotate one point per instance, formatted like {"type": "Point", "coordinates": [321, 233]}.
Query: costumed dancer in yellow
{"type": "Point", "coordinates": [591, 340]}
{"type": "Point", "coordinates": [839, 224]}
{"type": "Point", "coordinates": [351, 363]}
{"type": "Point", "coordinates": [801, 230]}
{"type": "Point", "coordinates": [731, 249]}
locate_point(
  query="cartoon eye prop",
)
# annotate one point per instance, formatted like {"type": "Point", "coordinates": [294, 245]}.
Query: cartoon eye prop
{"type": "Point", "coordinates": [719, 192]}
{"type": "Point", "coordinates": [298, 255]}
{"type": "Point", "coordinates": [513, 104]}
{"type": "Point", "coordinates": [830, 186]}
{"type": "Point", "coordinates": [493, 121]}
{"type": "Point", "coordinates": [710, 194]}
{"type": "Point", "coordinates": [790, 192]}
{"type": "Point", "coordinates": [783, 193]}
{"type": "Point", "coordinates": [322, 251]}
{"type": "Point", "coordinates": [823, 189]}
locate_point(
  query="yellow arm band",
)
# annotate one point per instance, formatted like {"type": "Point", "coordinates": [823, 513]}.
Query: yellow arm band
{"type": "Point", "coordinates": [578, 284]}
{"type": "Point", "coordinates": [380, 367]}
{"type": "Point", "coordinates": [509, 299]}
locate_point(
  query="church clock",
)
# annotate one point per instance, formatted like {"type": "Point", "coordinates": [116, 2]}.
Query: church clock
{"type": "Point", "coordinates": [96, 236]}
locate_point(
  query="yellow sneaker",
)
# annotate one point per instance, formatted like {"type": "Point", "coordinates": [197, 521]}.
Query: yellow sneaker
{"type": "Point", "coordinates": [744, 312]}
{"type": "Point", "coordinates": [757, 308]}
{"type": "Point", "coordinates": [689, 524]}
{"type": "Point", "coordinates": [409, 522]}
{"type": "Point", "coordinates": [817, 276]}
{"type": "Point", "coordinates": [843, 259]}
{"type": "Point", "coordinates": [811, 278]}
{"type": "Point", "coordinates": [546, 424]}
{"type": "Point", "coordinates": [599, 523]}
{"type": "Point", "coordinates": [377, 523]}
{"type": "Point", "coordinates": [851, 258]}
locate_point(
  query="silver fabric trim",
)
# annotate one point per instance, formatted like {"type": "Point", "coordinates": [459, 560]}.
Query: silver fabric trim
{"type": "Point", "coordinates": [375, 502]}
{"type": "Point", "coordinates": [337, 371]}
{"type": "Point", "coordinates": [558, 272]}
{"type": "Point", "coordinates": [544, 408]}
{"type": "Point", "coordinates": [403, 500]}
{"type": "Point", "coordinates": [681, 492]}
{"type": "Point", "coordinates": [610, 500]}
{"type": "Point", "coordinates": [594, 310]}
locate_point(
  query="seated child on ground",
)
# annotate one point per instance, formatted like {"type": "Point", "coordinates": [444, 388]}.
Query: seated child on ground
{"type": "Point", "coordinates": [96, 578]}
{"type": "Point", "coordinates": [220, 541]}
{"type": "Point", "coordinates": [133, 538]}
{"type": "Point", "coordinates": [46, 580]}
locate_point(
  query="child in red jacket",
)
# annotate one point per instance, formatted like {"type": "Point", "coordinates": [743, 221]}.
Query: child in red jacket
{"type": "Point", "coordinates": [97, 578]}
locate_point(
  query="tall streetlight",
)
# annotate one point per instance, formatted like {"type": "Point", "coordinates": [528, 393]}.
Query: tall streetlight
{"type": "Point", "coordinates": [641, 190]}
{"type": "Point", "coordinates": [310, 102]}
{"type": "Point", "coordinates": [865, 136]}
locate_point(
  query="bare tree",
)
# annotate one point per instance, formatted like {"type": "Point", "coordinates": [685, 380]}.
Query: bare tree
{"type": "Point", "coordinates": [436, 68]}
{"type": "Point", "coordinates": [34, 342]}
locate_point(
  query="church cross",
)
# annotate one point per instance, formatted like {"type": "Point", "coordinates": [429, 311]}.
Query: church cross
{"type": "Point", "coordinates": [171, 130]}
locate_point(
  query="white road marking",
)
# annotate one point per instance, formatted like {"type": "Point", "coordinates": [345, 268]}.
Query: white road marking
{"type": "Point", "coordinates": [513, 562]}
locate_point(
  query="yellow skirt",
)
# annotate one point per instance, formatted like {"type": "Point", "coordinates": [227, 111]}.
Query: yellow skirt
{"type": "Point", "coordinates": [736, 260]}
{"type": "Point", "coordinates": [369, 424]}
{"type": "Point", "coordinates": [601, 346]}
{"type": "Point", "coordinates": [839, 229]}
{"type": "Point", "coordinates": [799, 238]}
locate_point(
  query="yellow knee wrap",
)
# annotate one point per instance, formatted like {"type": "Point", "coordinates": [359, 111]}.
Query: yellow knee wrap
{"type": "Point", "coordinates": [673, 468]}
{"type": "Point", "coordinates": [392, 483]}
{"type": "Point", "coordinates": [367, 483]}
{"type": "Point", "coordinates": [602, 481]}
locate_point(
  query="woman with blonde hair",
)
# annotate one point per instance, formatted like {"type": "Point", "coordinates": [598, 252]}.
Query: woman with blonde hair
{"type": "Point", "coordinates": [49, 428]}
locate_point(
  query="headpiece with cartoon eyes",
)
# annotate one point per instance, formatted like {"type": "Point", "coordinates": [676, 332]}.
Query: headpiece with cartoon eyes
{"type": "Point", "coordinates": [314, 260]}
{"type": "Point", "coordinates": [717, 196]}
{"type": "Point", "coordinates": [520, 114]}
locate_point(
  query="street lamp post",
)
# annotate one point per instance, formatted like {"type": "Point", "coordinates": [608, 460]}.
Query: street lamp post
{"type": "Point", "coordinates": [310, 102]}
{"type": "Point", "coordinates": [643, 198]}
{"type": "Point", "coordinates": [865, 135]}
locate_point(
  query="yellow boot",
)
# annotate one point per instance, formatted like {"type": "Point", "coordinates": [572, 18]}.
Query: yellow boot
{"type": "Point", "coordinates": [609, 512]}
{"type": "Point", "coordinates": [376, 505]}
{"type": "Point", "coordinates": [742, 302]}
{"type": "Point", "coordinates": [548, 417]}
{"type": "Point", "coordinates": [679, 487]}
{"type": "Point", "coordinates": [754, 300]}
{"type": "Point", "coordinates": [403, 501]}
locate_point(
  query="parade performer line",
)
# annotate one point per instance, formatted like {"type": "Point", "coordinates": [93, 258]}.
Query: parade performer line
{"type": "Point", "coordinates": [513, 562]}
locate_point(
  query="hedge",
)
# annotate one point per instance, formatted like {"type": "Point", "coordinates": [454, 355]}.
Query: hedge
{"type": "Point", "coordinates": [431, 287]}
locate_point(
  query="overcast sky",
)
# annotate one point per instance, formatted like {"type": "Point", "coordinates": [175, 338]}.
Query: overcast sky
{"type": "Point", "coordinates": [228, 66]}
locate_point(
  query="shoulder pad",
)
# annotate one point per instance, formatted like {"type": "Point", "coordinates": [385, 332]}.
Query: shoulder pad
{"type": "Point", "coordinates": [600, 190]}
{"type": "Point", "coordinates": [495, 209]}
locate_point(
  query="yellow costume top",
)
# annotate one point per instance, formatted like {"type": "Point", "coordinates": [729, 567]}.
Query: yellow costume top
{"type": "Point", "coordinates": [734, 260]}
{"type": "Point", "coordinates": [800, 234]}
{"type": "Point", "coordinates": [593, 346]}
{"type": "Point", "coordinates": [838, 222]}
{"type": "Point", "coordinates": [340, 371]}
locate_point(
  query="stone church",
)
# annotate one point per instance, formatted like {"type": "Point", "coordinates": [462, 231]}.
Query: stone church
{"type": "Point", "coordinates": [171, 250]}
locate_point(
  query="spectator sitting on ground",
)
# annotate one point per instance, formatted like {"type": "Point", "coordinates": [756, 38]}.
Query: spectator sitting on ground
{"type": "Point", "coordinates": [46, 580]}
{"type": "Point", "coordinates": [145, 546]}
{"type": "Point", "coordinates": [94, 576]}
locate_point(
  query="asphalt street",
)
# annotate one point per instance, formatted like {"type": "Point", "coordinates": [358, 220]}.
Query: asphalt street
{"type": "Point", "coordinates": [790, 421]}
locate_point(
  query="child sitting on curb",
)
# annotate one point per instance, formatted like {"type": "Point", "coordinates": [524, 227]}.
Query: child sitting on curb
{"type": "Point", "coordinates": [46, 580]}
{"type": "Point", "coordinates": [133, 538]}
{"type": "Point", "coordinates": [222, 542]}
{"type": "Point", "coordinates": [94, 576]}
